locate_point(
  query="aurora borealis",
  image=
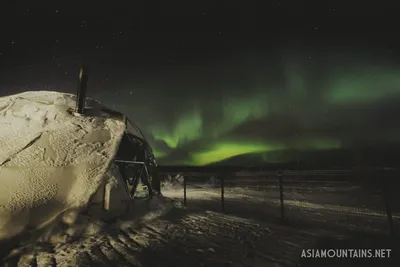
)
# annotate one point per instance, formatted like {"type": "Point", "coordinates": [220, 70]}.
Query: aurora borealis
{"type": "Point", "coordinates": [215, 81]}
{"type": "Point", "coordinates": [343, 108]}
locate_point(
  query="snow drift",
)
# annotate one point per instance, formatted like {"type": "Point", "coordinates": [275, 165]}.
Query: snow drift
{"type": "Point", "coordinates": [52, 160]}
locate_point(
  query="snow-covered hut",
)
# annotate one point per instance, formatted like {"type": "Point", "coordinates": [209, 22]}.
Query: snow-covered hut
{"type": "Point", "coordinates": [53, 159]}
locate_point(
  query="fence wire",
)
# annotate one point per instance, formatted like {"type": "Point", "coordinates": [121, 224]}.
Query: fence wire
{"type": "Point", "coordinates": [316, 198]}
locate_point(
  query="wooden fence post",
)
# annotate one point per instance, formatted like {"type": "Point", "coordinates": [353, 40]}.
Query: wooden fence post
{"type": "Point", "coordinates": [222, 193]}
{"type": "Point", "coordinates": [184, 191]}
{"type": "Point", "coordinates": [388, 203]}
{"type": "Point", "coordinates": [282, 206]}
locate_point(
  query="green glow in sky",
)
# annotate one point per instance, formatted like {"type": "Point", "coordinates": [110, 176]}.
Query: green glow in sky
{"type": "Point", "coordinates": [187, 128]}
{"type": "Point", "coordinates": [225, 150]}
{"type": "Point", "coordinates": [295, 81]}
{"type": "Point", "coordinates": [316, 144]}
{"type": "Point", "coordinates": [361, 86]}
{"type": "Point", "coordinates": [236, 111]}
{"type": "Point", "coordinates": [222, 151]}
{"type": "Point", "coordinates": [301, 100]}
{"type": "Point", "coordinates": [230, 113]}
{"type": "Point", "coordinates": [159, 154]}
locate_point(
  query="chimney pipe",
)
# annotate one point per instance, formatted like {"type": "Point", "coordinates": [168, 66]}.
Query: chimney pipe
{"type": "Point", "coordinates": [81, 93]}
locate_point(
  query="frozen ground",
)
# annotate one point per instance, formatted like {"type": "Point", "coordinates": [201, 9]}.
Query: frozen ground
{"type": "Point", "coordinates": [181, 237]}
{"type": "Point", "coordinates": [200, 235]}
{"type": "Point", "coordinates": [330, 205]}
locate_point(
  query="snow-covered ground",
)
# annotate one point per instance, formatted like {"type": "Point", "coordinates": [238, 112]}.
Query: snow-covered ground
{"type": "Point", "coordinates": [168, 235]}
{"type": "Point", "coordinates": [334, 205]}
{"type": "Point", "coordinates": [329, 216]}
{"type": "Point", "coordinates": [161, 232]}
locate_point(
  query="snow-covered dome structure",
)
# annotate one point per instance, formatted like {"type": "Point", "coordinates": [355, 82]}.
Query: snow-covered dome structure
{"type": "Point", "coordinates": [53, 160]}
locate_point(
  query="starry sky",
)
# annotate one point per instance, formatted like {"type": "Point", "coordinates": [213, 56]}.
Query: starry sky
{"type": "Point", "coordinates": [207, 81]}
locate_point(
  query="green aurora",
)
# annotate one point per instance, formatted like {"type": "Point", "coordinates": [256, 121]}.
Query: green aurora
{"type": "Point", "coordinates": [197, 138]}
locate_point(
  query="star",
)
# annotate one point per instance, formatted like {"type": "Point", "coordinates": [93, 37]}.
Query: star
{"type": "Point", "coordinates": [56, 10]}
{"type": "Point", "coordinates": [334, 9]}
{"type": "Point", "coordinates": [12, 42]}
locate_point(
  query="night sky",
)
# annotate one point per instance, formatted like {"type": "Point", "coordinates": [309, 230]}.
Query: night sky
{"type": "Point", "coordinates": [210, 80]}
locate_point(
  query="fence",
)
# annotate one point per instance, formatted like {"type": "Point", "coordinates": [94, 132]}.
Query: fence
{"type": "Point", "coordinates": [338, 198]}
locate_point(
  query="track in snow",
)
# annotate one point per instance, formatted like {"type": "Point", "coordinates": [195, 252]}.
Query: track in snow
{"type": "Point", "coordinates": [180, 239]}
{"type": "Point", "coordinates": [187, 237]}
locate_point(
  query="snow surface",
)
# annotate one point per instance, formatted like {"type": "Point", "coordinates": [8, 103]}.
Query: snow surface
{"type": "Point", "coordinates": [161, 234]}
{"type": "Point", "coordinates": [51, 160]}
